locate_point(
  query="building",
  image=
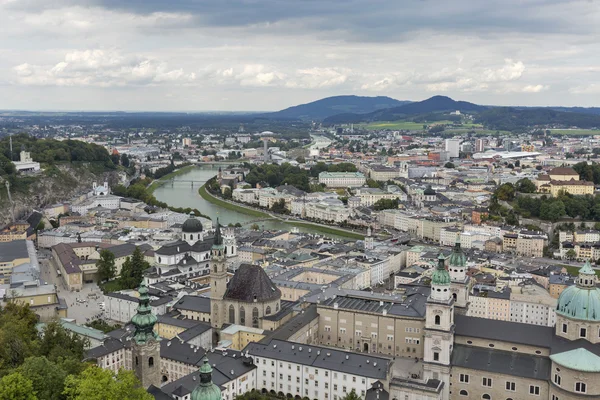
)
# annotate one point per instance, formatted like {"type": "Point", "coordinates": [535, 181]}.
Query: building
{"type": "Point", "coordinates": [342, 179]}
{"type": "Point", "coordinates": [479, 145]}
{"type": "Point", "coordinates": [246, 298]}
{"type": "Point", "coordinates": [382, 173]}
{"type": "Point", "coordinates": [564, 179]}
{"type": "Point", "coordinates": [26, 163]}
{"type": "Point", "coordinates": [12, 254]}
{"type": "Point", "coordinates": [452, 146]}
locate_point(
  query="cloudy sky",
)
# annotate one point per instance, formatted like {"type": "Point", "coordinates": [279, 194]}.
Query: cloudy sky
{"type": "Point", "coordinates": [195, 55]}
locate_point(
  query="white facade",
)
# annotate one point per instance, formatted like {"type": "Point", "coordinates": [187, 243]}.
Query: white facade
{"type": "Point", "coordinates": [26, 163]}
{"type": "Point", "coordinates": [342, 179]}
{"type": "Point", "coordinates": [452, 146]}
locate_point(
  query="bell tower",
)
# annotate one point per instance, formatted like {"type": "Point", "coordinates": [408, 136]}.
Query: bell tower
{"type": "Point", "coordinates": [439, 328]}
{"type": "Point", "coordinates": [458, 276]}
{"type": "Point", "coordinates": [145, 350]}
{"type": "Point", "coordinates": [218, 279]}
{"type": "Point", "coordinates": [369, 240]}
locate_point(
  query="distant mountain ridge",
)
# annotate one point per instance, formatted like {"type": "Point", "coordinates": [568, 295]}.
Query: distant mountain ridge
{"type": "Point", "coordinates": [321, 109]}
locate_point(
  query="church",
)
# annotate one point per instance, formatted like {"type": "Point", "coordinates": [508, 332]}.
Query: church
{"type": "Point", "coordinates": [191, 253]}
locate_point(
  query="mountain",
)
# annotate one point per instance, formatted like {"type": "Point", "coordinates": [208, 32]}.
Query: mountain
{"type": "Point", "coordinates": [320, 109]}
{"type": "Point", "coordinates": [431, 105]}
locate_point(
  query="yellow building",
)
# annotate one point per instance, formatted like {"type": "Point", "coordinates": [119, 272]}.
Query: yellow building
{"type": "Point", "coordinates": [240, 336]}
{"type": "Point", "coordinates": [10, 235]}
{"type": "Point", "coordinates": [42, 299]}
{"type": "Point", "coordinates": [574, 187]}
{"type": "Point", "coordinates": [12, 254]}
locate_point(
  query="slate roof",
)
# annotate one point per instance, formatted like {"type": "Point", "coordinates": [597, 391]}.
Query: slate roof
{"type": "Point", "coordinates": [366, 365]}
{"type": "Point", "coordinates": [503, 362]}
{"type": "Point", "coordinates": [193, 303]}
{"type": "Point", "coordinates": [251, 282]}
{"type": "Point", "coordinates": [10, 251]}
{"type": "Point", "coordinates": [504, 331]}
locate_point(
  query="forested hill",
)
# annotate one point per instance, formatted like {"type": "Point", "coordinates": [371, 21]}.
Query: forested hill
{"type": "Point", "coordinates": [50, 151]}
{"type": "Point", "coordinates": [431, 105]}
{"type": "Point", "coordinates": [326, 107]}
{"type": "Point", "coordinates": [509, 119]}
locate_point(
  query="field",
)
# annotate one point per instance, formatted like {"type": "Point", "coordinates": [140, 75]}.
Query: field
{"type": "Point", "coordinates": [575, 132]}
{"type": "Point", "coordinates": [411, 126]}
{"type": "Point", "coordinates": [574, 271]}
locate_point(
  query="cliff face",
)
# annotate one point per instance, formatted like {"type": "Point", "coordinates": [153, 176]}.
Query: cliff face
{"type": "Point", "coordinates": [48, 187]}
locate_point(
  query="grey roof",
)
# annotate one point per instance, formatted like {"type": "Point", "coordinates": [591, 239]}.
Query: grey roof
{"type": "Point", "coordinates": [127, 249]}
{"type": "Point", "coordinates": [223, 364]}
{"type": "Point", "coordinates": [192, 225]}
{"type": "Point", "coordinates": [193, 303]}
{"type": "Point", "coordinates": [292, 326]}
{"type": "Point", "coordinates": [504, 331]}
{"type": "Point", "coordinates": [158, 394]}
{"type": "Point", "coordinates": [502, 362]}
{"type": "Point", "coordinates": [251, 282]}
{"type": "Point", "coordinates": [181, 323]}
{"type": "Point", "coordinates": [194, 332]}
{"type": "Point", "coordinates": [178, 350]}
{"type": "Point", "coordinates": [110, 345]}
{"type": "Point", "coordinates": [366, 365]}
{"type": "Point", "coordinates": [10, 251]}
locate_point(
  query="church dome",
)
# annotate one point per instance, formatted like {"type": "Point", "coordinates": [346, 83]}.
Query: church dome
{"type": "Point", "coordinates": [458, 258]}
{"type": "Point", "coordinates": [582, 300]}
{"type": "Point", "coordinates": [440, 276]}
{"type": "Point", "coordinates": [206, 390]}
{"type": "Point", "coordinates": [192, 225]}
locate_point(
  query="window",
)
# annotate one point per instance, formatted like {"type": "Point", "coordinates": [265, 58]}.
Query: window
{"type": "Point", "coordinates": [438, 320]}
{"type": "Point", "coordinates": [511, 386]}
{"type": "Point", "coordinates": [554, 397]}
{"type": "Point", "coordinates": [557, 379]}
{"type": "Point", "coordinates": [231, 315]}
{"type": "Point", "coordinates": [564, 328]}
{"type": "Point", "coordinates": [464, 393]}
{"type": "Point", "coordinates": [151, 362]}
{"type": "Point", "coordinates": [582, 332]}
{"type": "Point", "coordinates": [268, 310]}
{"type": "Point", "coordinates": [464, 378]}
{"type": "Point", "coordinates": [486, 397]}
{"type": "Point", "coordinates": [486, 382]}
{"type": "Point", "coordinates": [255, 317]}
{"type": "Point", "coordinates": [534, 390]}
{"type": "Point", "coordinates": [242, 316]}
{"type": "Point", "coordinates": [580, 387]}
{"type": "Point", "coordinates": [436, 356]}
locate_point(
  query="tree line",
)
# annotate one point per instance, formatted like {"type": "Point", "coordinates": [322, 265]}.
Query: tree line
{"type": "Point", "coordinates": [49, 366]}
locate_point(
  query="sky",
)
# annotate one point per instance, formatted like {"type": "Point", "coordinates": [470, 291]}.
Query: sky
{"type": "Point", "coordinates": [259, 55]}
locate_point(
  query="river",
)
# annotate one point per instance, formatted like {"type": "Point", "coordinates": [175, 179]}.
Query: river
{"type": "Point", "coordinates": [179, 193]}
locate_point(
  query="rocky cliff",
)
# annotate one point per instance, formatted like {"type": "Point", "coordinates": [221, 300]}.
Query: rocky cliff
{"type": "Point", "coordinates": [54, 185]}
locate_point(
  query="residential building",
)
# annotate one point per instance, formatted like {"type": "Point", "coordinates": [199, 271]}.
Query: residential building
{"type": "Point", "coordinates": [342, 179]}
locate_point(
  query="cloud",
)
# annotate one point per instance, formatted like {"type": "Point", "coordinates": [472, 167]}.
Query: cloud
{"type": "Point", "coordinates": [313, 78]}
{"type": "Point", "coordinates": [103, 68]}
{"type": "Point", "coordinates": [534, 88]}
{"type": "Point", "coordinates": [593, 88]}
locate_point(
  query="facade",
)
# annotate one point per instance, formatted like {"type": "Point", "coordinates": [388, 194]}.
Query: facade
{"type": "Point", "coordinates": [452, 146]}
{"type": "Point", "coordinates": [12, 254]}
{"type": "Point", "coordinates": [342, 179]}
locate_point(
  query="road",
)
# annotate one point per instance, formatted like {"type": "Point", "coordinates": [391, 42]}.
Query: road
{"type": "Point", "coordinates": [83, 311]}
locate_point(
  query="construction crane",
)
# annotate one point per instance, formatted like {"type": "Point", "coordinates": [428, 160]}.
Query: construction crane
{"type": "Point", "coordinates": [10, 200]}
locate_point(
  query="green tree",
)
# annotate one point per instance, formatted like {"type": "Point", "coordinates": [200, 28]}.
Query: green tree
{"type": "Point", "coordinates": [512, 219]}
{"type": "Point", "coordinates": [525, 186]}
{"type": "Point", "coordinates": [374, 184]}
{"type": "Point", "coordinates": [506, 192]}
{"type": "Point", "coordinates": [133, 269]}
{"type": "Point", "coordinates": [119, 190]}
{"type": "Point", "coordinates": [385, 204]}
{"type": "Point", "coordinates": [254, 227]}
{"type": "Point", "coordinates": [125, 160]}
{"type": "Point", "coordinates": [449, 165]}
{"type": "Point", "coordinates": [279, 207]}
{"type": "Point", "coordinates": [16, 387]}
{"type": "Point", "coordinates": [57, 343]}
{"type": "Point", "coordinates": [102, 384]}
{"type": "Point", "coordinates": [106, 265]}
{"type": "Point", "coordinates": [227, 193]}
{"type": "Point", "coordinates": [47, 378]}
{"type": "Point", "coordinates": [552, 210]}
{"type": "Point", "coordinates": [351, 396]}
{"type": "Point", "coordinates": [300, 160]}
{"type": "Point", "coordinates": [571, 254]}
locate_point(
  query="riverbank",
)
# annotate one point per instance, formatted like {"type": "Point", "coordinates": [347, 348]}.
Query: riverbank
{"type": "Point", "coordinates": [169, 176]}
{"type": "Point", "coordinates": [318, 228]}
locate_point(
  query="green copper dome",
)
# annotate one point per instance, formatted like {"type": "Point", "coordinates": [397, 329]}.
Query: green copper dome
{"type": "Point", "coordinates": [440, 276]}
{"type": "Point", "coordinates": [582, 300]}
{"type": "Point", "coordinates": [144, 321]}
{"type": "Point", "coordinates": [458, 258]}
{"type": "Point", "coordinates": [206, 390]}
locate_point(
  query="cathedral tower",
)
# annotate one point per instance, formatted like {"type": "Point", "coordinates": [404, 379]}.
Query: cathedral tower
{"type": "Point", "coordinates": [145, 350]}
{"type": "Point", "coordinates": [439, 328]}
{"type": "Point", "coordinates": [218, 279]}
{"type": "Point", "coordinates": [458, 276]}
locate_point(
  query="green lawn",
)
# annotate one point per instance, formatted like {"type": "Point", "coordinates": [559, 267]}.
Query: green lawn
{"type": "Point", "coordinates": [411, 126]}
{"type": "Point", "coordinates": [574, 271]}
{"type": "Point", "coordinates": [208, 197]}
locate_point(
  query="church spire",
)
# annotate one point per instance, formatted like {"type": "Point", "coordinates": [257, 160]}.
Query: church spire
{"type": "Point", "coordinates": [144, 321]}
{"type": "Point", "coordinates": [218, 238]}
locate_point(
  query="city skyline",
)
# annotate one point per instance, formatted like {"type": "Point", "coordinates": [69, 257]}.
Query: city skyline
{"type": "Point", "coordinates": [268, 55]}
